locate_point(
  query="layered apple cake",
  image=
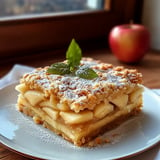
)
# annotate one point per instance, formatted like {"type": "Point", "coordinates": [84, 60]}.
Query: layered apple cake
{"type": "Point", "coordinates": [80, 109]}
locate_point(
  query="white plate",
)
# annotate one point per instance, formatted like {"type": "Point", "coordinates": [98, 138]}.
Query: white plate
{"type": "Point", "coordinates": [25, 137]}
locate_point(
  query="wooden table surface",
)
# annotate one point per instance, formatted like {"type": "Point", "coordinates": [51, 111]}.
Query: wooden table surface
{"type": "Point", "coordinates": [149, 66]}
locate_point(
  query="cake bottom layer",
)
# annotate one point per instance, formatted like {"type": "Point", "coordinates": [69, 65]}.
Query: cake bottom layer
{"type": "Point", "coordinates": [80, 134]}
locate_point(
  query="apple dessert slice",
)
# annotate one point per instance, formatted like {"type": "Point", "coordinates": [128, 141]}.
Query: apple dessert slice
{"type": "Point", "coordinates": [82, 102]}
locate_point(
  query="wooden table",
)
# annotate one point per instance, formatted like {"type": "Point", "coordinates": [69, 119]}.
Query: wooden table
{"type": "Point", "coordinates": [149, 66]}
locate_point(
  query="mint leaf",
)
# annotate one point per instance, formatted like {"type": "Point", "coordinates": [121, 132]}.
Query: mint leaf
{"type": "Point", "coordinates": [86, 73]}
{"type": "Point", "coordinates": [73, 55]}
{"type": "Point", "coordinates": [59, 68]}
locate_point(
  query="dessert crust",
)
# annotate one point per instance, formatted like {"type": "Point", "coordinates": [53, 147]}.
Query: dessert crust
{"type": "Point", "coordinates": [80, 94]}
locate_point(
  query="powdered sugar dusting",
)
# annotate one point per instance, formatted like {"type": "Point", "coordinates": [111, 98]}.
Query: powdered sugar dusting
{"type": "Point", "coordinates": [75, 90]}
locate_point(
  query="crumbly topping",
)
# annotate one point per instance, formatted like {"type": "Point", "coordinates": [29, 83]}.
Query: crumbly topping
{"type": "Point", "coordinates": [81, 93]}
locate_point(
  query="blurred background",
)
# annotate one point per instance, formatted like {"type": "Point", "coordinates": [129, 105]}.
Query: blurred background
{"type": "Point", "coordinates": [150, 16]}
{"type": "Point", "coordinates": [98, 17]}
{"type": "Point", "coordinates": [151, 19]}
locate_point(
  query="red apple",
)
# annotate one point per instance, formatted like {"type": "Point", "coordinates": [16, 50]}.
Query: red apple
{"type": "Point", "coordinates": [129, 42]}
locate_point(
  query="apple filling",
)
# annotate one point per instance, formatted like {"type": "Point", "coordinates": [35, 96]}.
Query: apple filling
{"type": "Point", "coordinates": [76, 108]}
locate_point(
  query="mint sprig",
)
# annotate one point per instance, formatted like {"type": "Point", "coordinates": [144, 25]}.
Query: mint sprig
{"type": "Point", "coordinates": [59, 68]}
{"type": "Point", "coordinates": [73, 56]}
{"type": "Point", "coordinates": [86, 73]}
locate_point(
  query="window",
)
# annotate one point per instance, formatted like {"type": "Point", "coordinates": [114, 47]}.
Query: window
{"type": "Point", "coordinates": [32, 33]}
{"type": "Point", "coordinates": [29, 7]}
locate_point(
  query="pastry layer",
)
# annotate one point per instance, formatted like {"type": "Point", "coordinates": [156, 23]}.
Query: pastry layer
{"type": "Point", "coordinates": [80, 109]}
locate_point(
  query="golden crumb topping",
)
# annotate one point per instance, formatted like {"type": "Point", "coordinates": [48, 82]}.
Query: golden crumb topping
{"type": "Point", "coordinates": [81, 93]}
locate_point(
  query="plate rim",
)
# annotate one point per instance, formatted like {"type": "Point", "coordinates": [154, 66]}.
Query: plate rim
{"type": "Point", "coordinates": [120, 158]}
